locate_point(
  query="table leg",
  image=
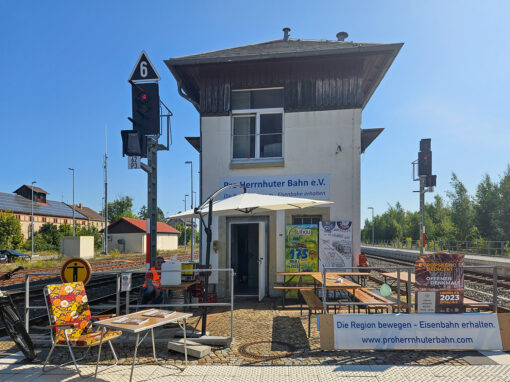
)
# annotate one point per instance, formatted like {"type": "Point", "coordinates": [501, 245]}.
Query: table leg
{"type": "Point", "coordinates": [185, 346]}
{"type": "Point", "coordinates": [153, 346]}
{"type": "Point", "coordinates": [99, 351]}
{"type": "Point", "coordinates": [134, 356]}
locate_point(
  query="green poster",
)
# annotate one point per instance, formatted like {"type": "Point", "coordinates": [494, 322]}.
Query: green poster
{"type": "Point", "coordinates": [301, 252]}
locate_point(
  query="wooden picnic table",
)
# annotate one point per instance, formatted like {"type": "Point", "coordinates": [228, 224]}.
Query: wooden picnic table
{"type": "Point", "coordinates": [394, 276]}
{"type": "Point", "coordinates": [331, 283]}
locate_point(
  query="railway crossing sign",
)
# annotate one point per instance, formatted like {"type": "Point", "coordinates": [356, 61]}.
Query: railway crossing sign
{"type": "Point", "coordinates": [144, 71]}
{"type": "Point", "coordinates": [75, 270]}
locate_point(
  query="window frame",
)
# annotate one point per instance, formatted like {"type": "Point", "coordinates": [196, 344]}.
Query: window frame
{"type": "Point", "coordinates": [236, 113]}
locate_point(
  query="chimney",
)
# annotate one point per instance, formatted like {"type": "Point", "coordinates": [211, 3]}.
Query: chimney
{"type": "Point", "coordinates": [79, 205]}
{"type": "Point", "coordinates": [286, 34]}
{"type": "Point", "coordinates": [341, 36]}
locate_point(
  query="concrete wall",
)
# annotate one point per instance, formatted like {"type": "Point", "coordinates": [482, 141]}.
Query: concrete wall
{"type": "Point", "coordinates": [78, 246]}
{"type": "Point", "coordinates": [136, 242]}
{"type": "Point", "coordinates": [311, 143]}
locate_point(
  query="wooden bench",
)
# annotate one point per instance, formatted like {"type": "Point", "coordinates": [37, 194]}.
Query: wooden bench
{"type": "Point", "coordinates": [394, 306]}
{"type": "Point", "coordinates": [284, 287]}
{"type": "Point", "coordinates": [313, 302]}
{"type": "Point", "coordinates": [472, 304]}
{"type": "Point", "coordinates": [363, 295]}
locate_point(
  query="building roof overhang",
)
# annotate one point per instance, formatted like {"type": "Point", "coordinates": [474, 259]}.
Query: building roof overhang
{"type": "Point", "coordinates": [189, 71]}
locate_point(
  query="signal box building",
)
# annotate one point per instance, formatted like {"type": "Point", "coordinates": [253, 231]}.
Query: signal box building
{"type": "Point", "coordinates": [282, 117]}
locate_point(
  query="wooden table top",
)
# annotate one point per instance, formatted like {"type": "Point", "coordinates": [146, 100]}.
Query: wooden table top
{"type": "Point", "coordinates": [182, 286]}
{"type": "Point", "coordinates": [152, 322]}
{"type": "Point", "coordinates": [314, 273]}
{"type": "Point", "coordinates": [331, 283]}
{"type": "Point", "coordinates": [403, 276]}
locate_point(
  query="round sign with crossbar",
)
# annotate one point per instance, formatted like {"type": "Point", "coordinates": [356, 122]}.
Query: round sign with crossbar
{"type": "Point", "coordinates": [75, 270]}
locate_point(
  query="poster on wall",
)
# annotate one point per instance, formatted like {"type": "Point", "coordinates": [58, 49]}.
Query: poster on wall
{"type": "Point", "coordinates": [301, 251]}
{"type": "Point", "coordinates": [439, 283]}
{"type": "Point", "coordinates": [335, 249]}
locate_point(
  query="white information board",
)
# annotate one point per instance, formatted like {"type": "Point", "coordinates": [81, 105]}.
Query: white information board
{"type": "Point", "coordinates": [335, 244]}
{"type": "Point", "coordinates": [467, 331]}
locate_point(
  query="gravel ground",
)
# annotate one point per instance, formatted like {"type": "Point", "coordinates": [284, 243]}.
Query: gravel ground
{"type": "Point", "coordinates": [269, 336]}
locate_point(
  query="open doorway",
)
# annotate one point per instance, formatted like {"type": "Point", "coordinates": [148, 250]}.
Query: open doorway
{"type": "Point", "coordinates": [244, 244]}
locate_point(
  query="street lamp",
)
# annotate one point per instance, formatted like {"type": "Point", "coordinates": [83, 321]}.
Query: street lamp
{"type": "Point", "coordinates": [185, 239]}
{"type": "Point", "coordinates": [372, 208]}
{"type": "Point", "coordinates": [192, 220]}
{"type": "Point", "coordinates": [72, 169]}
{"type": "Point", "coordinates": [34, 182]}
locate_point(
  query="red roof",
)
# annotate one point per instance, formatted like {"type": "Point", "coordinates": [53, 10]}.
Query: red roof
{"type": "Point", "coordinates": [142, 224]}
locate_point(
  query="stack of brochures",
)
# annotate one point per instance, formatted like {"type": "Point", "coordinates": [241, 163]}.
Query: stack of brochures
{"type": "Point", "coordinates": [158, 313]}
{"type": "Point", "coordinates": [130, 321]}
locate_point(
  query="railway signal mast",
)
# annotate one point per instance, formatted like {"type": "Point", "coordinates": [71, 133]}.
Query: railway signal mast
{"type": "Point", "coordinates": [142, 140]}
{"type": "Point", "coordinates": [427, 182]}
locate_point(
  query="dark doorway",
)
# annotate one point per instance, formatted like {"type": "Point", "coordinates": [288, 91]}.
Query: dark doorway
{"type": "Point", "coordinates": [244, 257]}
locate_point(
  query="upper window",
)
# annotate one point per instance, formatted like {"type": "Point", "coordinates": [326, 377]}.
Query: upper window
{"type": "Point", "coordinates": [257, 124]}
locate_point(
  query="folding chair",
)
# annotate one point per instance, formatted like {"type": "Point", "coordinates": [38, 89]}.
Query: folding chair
{"type": "Point", "coordinates": [71, 322]}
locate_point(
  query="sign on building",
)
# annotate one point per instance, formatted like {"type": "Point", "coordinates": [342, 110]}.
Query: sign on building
{"type": "Point", "coordinates": [439, 283]}
{"type": "Point", "coordinates": [335, 244]}
{"type": "Point", "coordinates": [309, 186]}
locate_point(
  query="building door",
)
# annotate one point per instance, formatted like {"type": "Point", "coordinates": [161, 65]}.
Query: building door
{"type": "Point", "coordinates": [244, 252]}
{"type": "Point", "coordinates": [262, 260]}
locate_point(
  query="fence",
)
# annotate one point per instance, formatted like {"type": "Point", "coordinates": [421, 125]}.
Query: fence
{"type": "Point", "coordinates": [477, 247]}
{"type": "Point", "coordinates": [399, 282]}
{"type": "Point", "coordinates": [127, 294]}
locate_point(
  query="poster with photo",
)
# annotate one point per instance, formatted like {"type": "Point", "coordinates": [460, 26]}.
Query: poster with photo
{"type": "Point", "coordinates": [439, 283]}
{"type": "Point", "coordinates": [335, 244]}
{"type": "Point", "coordinates": [301, 253]}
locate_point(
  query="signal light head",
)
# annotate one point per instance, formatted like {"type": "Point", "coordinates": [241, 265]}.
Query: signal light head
{"type": "Point", "coordinates": [143, 96]}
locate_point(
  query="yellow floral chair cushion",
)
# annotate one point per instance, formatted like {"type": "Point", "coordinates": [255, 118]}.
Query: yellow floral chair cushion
{"type": "Point", "coordinates": [68, 305]}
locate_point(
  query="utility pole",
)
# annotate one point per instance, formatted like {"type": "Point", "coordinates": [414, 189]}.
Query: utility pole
{"type": "Point", "coordinates": [427, 182]}
{"type": "Point", "coordinates": [32, 225]}
{"type": "Point", "coordinates": [372, 208]}
{"type": "Point", "coordinates": [185, 225]}
{"type": "Point", "coordinates": [422, 214]}
{"type": "Point", "coordinates": [72, 169]}
{"type": "Point", "coordinates": [105, 165]}
{"type": "Point", "coordinates": [142, 140]}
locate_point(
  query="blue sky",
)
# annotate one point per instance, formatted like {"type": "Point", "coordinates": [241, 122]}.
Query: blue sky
{"type": "Point", "coordinates": [65, 67]}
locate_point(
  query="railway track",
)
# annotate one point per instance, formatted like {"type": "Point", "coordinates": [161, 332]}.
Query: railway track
{"type": "Point", "coordinates": [101, 289]}
{"type": "Point", "coordinates": [477, 285]}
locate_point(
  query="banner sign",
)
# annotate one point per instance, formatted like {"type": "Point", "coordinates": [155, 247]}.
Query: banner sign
{"type": "Point", "coordinates": [301, 251]}
{"type": "Point", "coordinates": [335, 249]}
{"type": "Point", "coordinates": [468, 331]}
{"type": "Point", "coordinates": [439, 283]}
{"type": "Point", "coordinates": [309, 186]}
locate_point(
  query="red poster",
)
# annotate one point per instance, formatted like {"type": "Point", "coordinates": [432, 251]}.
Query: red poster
{"type": "Point", "coordinates": [439, 283]}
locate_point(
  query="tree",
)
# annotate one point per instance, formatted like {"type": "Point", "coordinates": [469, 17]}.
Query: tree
{"type": "Point", "coordinates": [50, 234]}
{"type": "Point", "coordinates": [120, 208]}
{"type": "Point", "coordinates": [10, 231]}
{"type": "Point", "coordinates": [65, 230]}
{"type": "Point", "coordinates": [462, 211]}
{"type": "Point", "coordinates": [486, 206]}
{"type": "Point", "coordinates": [144, 214]}
{"type": "Point", "coordinates": [502, 215]}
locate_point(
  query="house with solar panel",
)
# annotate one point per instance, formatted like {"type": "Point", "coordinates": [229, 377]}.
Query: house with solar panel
{"type": "Point", "coordinates": [45, 211]}
{"type": "Point", "coordinates": [282, 117]}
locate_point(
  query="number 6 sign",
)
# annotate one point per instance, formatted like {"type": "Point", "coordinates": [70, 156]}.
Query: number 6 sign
{"type": "Point", "coordinates": [144, 71]}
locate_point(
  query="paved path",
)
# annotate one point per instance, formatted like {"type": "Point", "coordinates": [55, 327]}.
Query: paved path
{"type": "Point", "coordinates": [13, 368]}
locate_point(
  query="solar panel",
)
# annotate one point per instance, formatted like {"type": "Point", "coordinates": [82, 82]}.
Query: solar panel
{"type": "Point", "coordinates": [16, 203]}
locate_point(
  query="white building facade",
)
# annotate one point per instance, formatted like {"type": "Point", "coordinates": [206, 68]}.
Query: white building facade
{"type": "Point", "coordinates": [282, 118]}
